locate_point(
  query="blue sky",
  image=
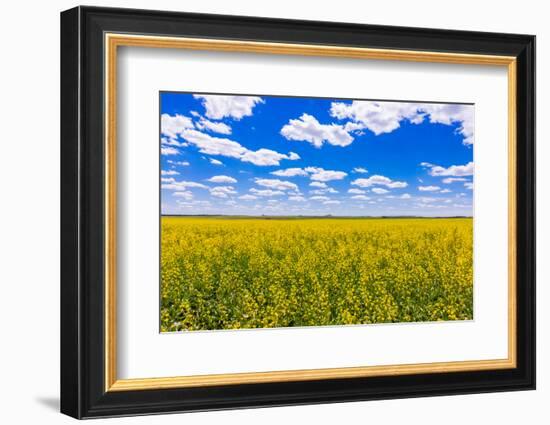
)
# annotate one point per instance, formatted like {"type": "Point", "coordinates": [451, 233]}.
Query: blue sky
{"type": "Point", "coordinates": [269, 155]}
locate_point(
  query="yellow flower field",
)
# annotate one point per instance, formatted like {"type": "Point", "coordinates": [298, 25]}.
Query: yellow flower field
{"type": "Point", "coordinates": [234, 273]}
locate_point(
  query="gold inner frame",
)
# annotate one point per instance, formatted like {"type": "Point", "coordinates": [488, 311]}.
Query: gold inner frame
{"type": "Point", "coordinates": [113, 41]}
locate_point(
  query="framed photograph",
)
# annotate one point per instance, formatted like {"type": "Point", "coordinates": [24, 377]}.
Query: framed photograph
{"type": "Point", "coordinates": [261, 212]}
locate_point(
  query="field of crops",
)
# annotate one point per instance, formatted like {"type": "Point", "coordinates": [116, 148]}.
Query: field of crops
{"type": "Point", "coordinates": [233, 273]}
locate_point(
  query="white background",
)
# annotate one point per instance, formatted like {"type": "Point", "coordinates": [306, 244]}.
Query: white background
{"type": "Point", "coordinates": [143, 352]}
{"type": "Point", "coordinates": [29, 225]}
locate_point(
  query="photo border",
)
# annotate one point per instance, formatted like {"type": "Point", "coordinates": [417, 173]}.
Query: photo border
{"type": "Point", "coordinates": [114, 41]}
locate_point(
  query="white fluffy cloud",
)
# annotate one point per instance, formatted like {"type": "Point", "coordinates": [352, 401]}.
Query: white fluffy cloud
{"type": "Point", "coordinates": [385, 117]}
{"type": "Point", "coordinates": [428, 188]}
{"type": "Point", "coordinates": [266, 157]}
{"type": "Point", "coordinates": [331, 202]}
{"type": "Point", "coordinates": [182, 163]}
{"type": "Point", "coordinates": [202, 203]}
{"type": "Point", "coordinates": [453, 170]}
{"type": "Point", "coordinates": [219, 194]}
{"type": "Point", "coordinates": [183, 194]}
{"type": "Point", "coordinates": [356, 191]}
{"type": "Point", "coordinates": [172, 126]}
{"type": "Point", "coordinates": [379, 190]}
{"type": "Point", "coordinates": [168, 150]}
{"type": "Point", "coordinates": [405, 196]}
{"type": "Point", "coordinates": [222, 191]}
{"type": "Point", "coordinates": [266, 192]}
{"type": "Point", "coordinates": [450, 180]}
{"type": "Point", "coordinates": [169, 172]}
{"type": "Point", "coordinates": [322, 175]}
{"type": "Point", "coordinates": [426, 200]}
{"type": "Point", "coordinates": [222, 179]}
{"type": "Point", "coordinates": [248, 197]}
{"type": "Point", "coordinates": [211, 145]}
{"type": "Point", "coordinates": [469, 185]}
{"type": "Point", "coordinates": [451, 114]}
{"type": "Point", "coordinates": [424, 205]}
{"type": "Point", "coordinates": [378, 180]}
{"type": "Point", "coordinates": [169, 141]}
{"type": "Point", "coordinates": [379, 117]}
{"type": "Point", "coordinates": [308, 129]}
{"type": "Point", "coordinates": [276, 184]}
{"type": "Point", "coordinates": [226, 189]}
{"type": "Point", "coordinates": [216, 127]}
{"type": "Point", "coordinates": [290, 172]}
{"type": "Point", "coordinates": [360, 170]}
{"type": "Point", "coordinates": [360, 197]}
{"type": "Point", "coordinates": [323, 191]}
{"type": "Point", "coordinates": [317, 174]}
{"type": "Point", "coordinates": [445, 191]}
{"type": "Point", "coordinates": [172, 184]}
{"type": "Point", "coordinates": [215, 161]}
{"type": "Point", "coordinates": [319, 198]}
{"type": "Point", "coordinates": [236, 107]}
{"type": "Point", "coordinates": [297, 198]}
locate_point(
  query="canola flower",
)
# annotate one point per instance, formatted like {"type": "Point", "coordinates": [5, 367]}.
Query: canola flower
{"type": "Point", "coordinates": [235, 273]}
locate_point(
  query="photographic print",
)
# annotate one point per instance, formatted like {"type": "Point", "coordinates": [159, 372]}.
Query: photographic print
{"type": "Point", "coordinates": [280, 211]}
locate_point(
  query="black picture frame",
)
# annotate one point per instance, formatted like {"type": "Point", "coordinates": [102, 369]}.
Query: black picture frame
{"type": "Point", "coordinates": [82, 206]}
